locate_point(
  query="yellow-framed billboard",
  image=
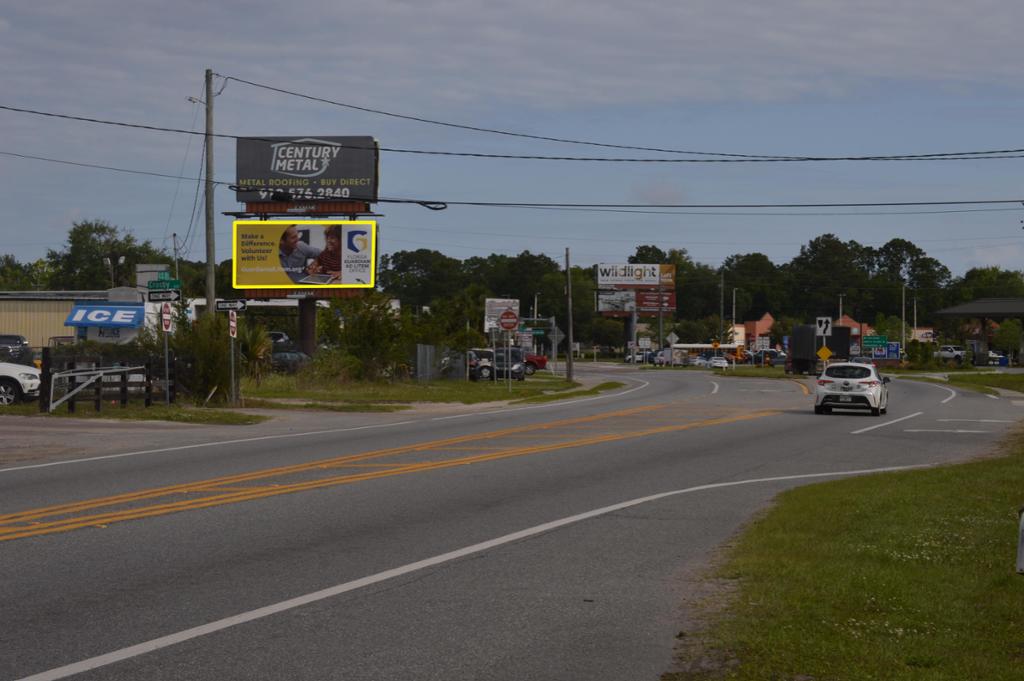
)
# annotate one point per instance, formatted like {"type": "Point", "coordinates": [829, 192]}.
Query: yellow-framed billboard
{"type": "Point", "coordinates": [306, 254]}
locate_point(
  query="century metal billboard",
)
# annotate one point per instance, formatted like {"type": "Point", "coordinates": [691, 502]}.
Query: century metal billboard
{"type": "Point", "coordinates": [307, 169]}
{"type": "Point", "coordinates": [638, 275]}
{"type": "Point", "coordinates": [306, 254]}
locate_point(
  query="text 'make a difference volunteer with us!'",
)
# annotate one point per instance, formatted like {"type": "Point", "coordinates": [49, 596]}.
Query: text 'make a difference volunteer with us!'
{"type": "Point", "coordinates": [304, 254]}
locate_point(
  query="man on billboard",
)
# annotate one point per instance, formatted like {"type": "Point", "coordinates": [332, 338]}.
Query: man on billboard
{"type": "Point", "coordinates": [295, 254]}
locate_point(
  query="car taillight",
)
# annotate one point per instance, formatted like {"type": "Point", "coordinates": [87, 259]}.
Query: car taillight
{"type": "Point", "coordinates": [822, 381]}
{"type": "Point", "coordinates": [870, 383]}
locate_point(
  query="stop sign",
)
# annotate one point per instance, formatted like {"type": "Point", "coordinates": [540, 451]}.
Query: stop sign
{"type": "Point", "coordinates": [165, 317]}
{"type": "Point", "coordinates": [508, 320]}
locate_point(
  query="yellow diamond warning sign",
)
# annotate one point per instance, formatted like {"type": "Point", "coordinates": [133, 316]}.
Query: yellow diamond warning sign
{"type": "Point", "coordinates": [824, 352]}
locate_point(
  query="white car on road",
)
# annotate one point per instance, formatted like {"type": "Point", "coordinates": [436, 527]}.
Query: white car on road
{"type": "Point", "coordinates": [719, 363]}
{"type": "Point", "coordinates": [846, 385]}
{"type": "Point", "coordinates": [17, 382]}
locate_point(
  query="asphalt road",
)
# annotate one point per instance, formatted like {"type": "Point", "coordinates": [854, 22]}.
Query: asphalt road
{"type": "Point", "coordinates": [552, 542]}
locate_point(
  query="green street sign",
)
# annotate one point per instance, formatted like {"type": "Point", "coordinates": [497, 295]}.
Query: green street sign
{"type": "Point", "coordinates": [163, 276]}
{"type": "Point", "coordinates": [538, 332]}
{"type": "Point", "coordinates": [163, 285]}
{"type": "Point", "coordinates": [876, 341]}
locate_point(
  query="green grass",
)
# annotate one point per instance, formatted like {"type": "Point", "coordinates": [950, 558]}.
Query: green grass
{"type": "Point", "coordinates": [754, 372]}
{"type": "Point", "coordinates": [551, 397]}
{"type": "Point", "coordinates": [898, 576]}
{"type": "Point", "coordinates": [158, 412]}
{"type": "Point", "coordinates": [983, 383]}
{"type": "Point", "coordinates": [465, 392]}
{"type": "Point", "coordinates": [258, 403]}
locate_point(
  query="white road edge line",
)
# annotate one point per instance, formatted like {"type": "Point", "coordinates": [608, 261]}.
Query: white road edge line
{"type": "Point", "coordinates": [200, 445]}
{"type": "Point", "coordinates": [312, 432]}
{"type": "Point", "coordinates": [994, 397]}
{"type": "Point", "coordinates": [975, 420]}
{"type": "Point", "coordinates": [938, 430]}
{"type": "Point", "coordinates": [887, 423]}
{"type": "Point", "coordinates": [716, 387]}
{"type": "Point", "coordinates": [549, 404]}
{"type": "Point", "coordinates": [952, 393]}
{"type": "Point", "coordinates": [292, 603]}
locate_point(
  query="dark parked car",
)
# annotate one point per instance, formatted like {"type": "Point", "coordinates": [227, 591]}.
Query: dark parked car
{"type": "Point", "coordinates": [288, 361]}
{"type": "Point", "coordinates": [14, 348]}
{"type": "Point", "coordinates": [485, 364]}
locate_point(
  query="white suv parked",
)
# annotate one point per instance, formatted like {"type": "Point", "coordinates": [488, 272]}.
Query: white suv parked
{"type": "Point", "coordinates": [17, 382]}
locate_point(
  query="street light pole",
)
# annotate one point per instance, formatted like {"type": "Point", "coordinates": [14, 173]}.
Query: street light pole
{"type": "Point", "coordinates": [841, 296]}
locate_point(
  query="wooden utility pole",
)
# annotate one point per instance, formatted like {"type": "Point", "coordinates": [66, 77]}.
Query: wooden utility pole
{"type": "Point", "coordinates": [568, 296]}
{"type": "Point", "coordinates": [211, 250]}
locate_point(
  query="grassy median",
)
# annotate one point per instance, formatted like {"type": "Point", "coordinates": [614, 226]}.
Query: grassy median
{"type": "Point", "coordinates": [905, 575]}
{"type": "Point", "coordinates": [401, 392]}
{"type": "Point", "coordinates": [134, 412]}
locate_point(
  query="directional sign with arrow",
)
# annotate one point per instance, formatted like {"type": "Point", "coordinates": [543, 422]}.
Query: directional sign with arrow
{"type": "Point", "coordinates": [225, 305]}
{"type": "Point", "coordinates": [824, 326]}
{"type": "Point", "coordinates": [170, 295]}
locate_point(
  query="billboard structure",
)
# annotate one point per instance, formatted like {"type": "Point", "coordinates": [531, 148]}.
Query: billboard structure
{"type": "Point", "coordinates": [288, 169]}
{"type": "Point", "coordinates": [627, 289]}
{"type": "Point", "coordinates": [306, 254]}
{"type": "Point", "coordinates": [611, 275]}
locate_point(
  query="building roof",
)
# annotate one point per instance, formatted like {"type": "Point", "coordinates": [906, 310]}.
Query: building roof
{"type": "Point", "coordinates": [53, 295]}
{"type": "Point", "coordinates": [986, 307]}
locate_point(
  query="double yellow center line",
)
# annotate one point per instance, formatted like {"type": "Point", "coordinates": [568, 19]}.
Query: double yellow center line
{"type": "Point", "coordinates": [237, 488]}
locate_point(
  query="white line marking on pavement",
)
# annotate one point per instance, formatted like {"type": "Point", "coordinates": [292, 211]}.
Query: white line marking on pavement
{"type": "Point", "coordinates": [205, 444]}
{"type": "Point", "coordinates": [931, 430]}
{"type": "Point", "coordinates": [976, 420]}
{"type": "Point", "coordinates": [994, 397]}
{"type": "Point", "coordinates": [887, 423]}
{"type": "Point", "coordinates": [548, 405]}
{"type": "Point", "coordinates": [313, 432]}
{"type": "Point", "coordinates": [716, 387]}
{"type": "Point", "coordinates": [299, 601]}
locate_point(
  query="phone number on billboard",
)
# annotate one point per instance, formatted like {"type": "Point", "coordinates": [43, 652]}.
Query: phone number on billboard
{"type": "Point", "coordinates": [308, 193]}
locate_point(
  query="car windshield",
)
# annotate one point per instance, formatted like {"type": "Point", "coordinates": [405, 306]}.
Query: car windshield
{"type": "Point", "coordinates": [848, 371]}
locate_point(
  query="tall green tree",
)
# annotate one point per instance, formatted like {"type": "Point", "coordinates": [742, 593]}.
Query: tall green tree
{"type": "Point", "coordinates": [420, 277]}
{"type": "Point", "coordinates": [81, 265]}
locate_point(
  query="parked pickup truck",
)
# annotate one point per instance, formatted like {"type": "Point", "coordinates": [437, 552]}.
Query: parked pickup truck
{"type": "Point", "coordinates": [950, 353]}
{"type": "Point", "coordinates": [535, 362]}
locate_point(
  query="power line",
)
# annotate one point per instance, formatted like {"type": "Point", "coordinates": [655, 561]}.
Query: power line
{"type": "Point", "coordinates": [950, 156]}
{"type": "Point", "coordinates": [544, 138]}
{"type": "Point", "coordinates": [603, 207]}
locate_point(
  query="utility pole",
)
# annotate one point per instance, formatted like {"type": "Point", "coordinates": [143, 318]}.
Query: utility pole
{"type": "Point", "coordinates": [211, 250]}
{"type": "Point", "coordinates": [568, 297]}
{"type": "Point", "coordinates": [841, 296]}
{"type": "Point", "coordinates": [174, 240]}
{"type": "Point", "coordinates": [903, 319]}
{"type": "Point", "coordinates": [915, 315]}
{"type": "Point", "coordinates": [721, 310]}
{"type": "Point", "coordinates": [734, 308]}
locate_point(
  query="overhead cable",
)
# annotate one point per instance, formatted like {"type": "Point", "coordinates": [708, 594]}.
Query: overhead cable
{"type": "Point", "coordinates": [991, 154]}
{"type": "Point", "coordinates": [495, 131]}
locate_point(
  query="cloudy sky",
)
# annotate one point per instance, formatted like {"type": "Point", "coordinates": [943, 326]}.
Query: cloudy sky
{"type": "Point", "coordinates": [786, 78]}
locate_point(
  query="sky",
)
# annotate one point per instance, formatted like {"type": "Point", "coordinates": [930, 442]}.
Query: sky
{"type": "Point", "coordinates": [786, 78]}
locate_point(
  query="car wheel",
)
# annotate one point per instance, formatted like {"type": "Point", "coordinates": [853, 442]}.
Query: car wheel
{"type": "Point", "coordinates": [819, 410]}
{"type": "Point", "coordinates": [875, 411]}
{"type": "Point", "coordinates": [9, 392]}
{"type": "Point", "coordinates": [485, 373]}
{"type": "Point", "coordinates": [885, 410]}
{"type": "Point", "coordinates": [530, 369]}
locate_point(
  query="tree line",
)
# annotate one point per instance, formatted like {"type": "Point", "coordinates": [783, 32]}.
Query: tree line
{"type": "Point", "coordinates": [445, 295]}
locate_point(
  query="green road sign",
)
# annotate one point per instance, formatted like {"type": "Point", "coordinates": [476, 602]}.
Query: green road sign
{"type": "Point", "coordinates": [876, 341]}
{"type": "Point", "coordinates": [163, 276]}
{"type": "Point", "coordinates": [163, 285]}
